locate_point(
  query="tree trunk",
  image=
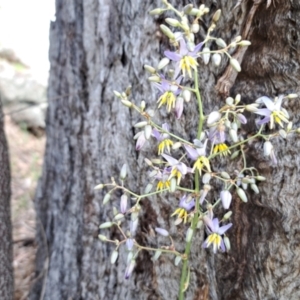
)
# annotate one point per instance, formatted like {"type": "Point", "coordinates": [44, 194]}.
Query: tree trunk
{"type": "Point", "coordinates": [6, 257]}
{"type": "Point", "coordinates": [101, 46]}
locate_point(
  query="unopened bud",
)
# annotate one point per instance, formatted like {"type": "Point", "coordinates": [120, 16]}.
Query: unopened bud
{"type": "Point", "coordinates": [123, 203]}
{"type": "Point", "coordinates": [173, 185]}
{"type": "Point", "coordinates": [189, 235]}
{"type": "Point", "coordinates": [149, 69]}
{"type": "Point", "coordinates": [114, 256]}
{"type": "Point", "coordinates": [225, 175]}
{"type": "Point", "coordinates": [206, 178]}
{"type": "Point", "coordinates": [206, 55]}
{"type": "Point", "coordinates": [172, 22]}
{"type": "Point", "coordinates": [102, 237]}
{"type": "Point", "coordinates": [154, 78]}
{"type": "Point", "coordinates": [148, 131]}
{"type": "Point", "coordinates": [268, 147]}
{"type": "Point", "coordinates": [216, 16]}
{"type": "Point", "coordinates": [148, 188]}
{"type": "Point", "coordinates": [187, 9]}
{"type": "Point", "coordinates": [156, 255]}
{"type": "Point", "coordinates": [163, 62]}
{"type": "Point", "coordinates": [292, 96]}
{"type": "Point", "coordinates": [199, 224]}
{"type": "Point", "coordinates": [186, 94]}
{"type": "Point", "coordinates": [143, 105]}
{"type": "Point", "coordinates": [117, 94]}
{"type": "Point", "coordinates": [162, 231]}
{"type": "Point", "coordinates": [252, 107]}
{"type": "Point", "coordinates": [244, 43]}
{"type": "Point", "coordinates": [106, 198]}
{"type": "Point", "coordinates": [126, 103]}
{"type": "Point", "coordinates": [167, 31]}
{"type": "Point", "coordinates": [283, 133]}
{"type": "Point", "coordinates": [148, 162]}
{"type": "Point", "coordinates": [227, 215]}
{"type": "Point", "coordinates": [106, 225]}
{"type": "Point", "coordinates": [254, 188]}
{"type": "Point", "coordinates": [216, 59]}
{"type": "Point", "coordinates": [141, 124]}
{"type": "Point", "coordinates": [233, 135]}
{"type": "Point", "coordinates": [289, 126]}
{"type": "Point", "coordinates": [213, 117]}
{"type": "Point", "coordinates": [195, 28]}
{"type": "Point", "coordinates": [235, 154]}
{"type": "Point", "coordinates": [235, 64]}
{"type": "Point", "coordinates": [221, 43]}
{"type": "Point", "coordinates": [227, 243]}
{"type": "Point", "coordinates": [156, 11]}
{"type": "Point", "coordinates": [123, 172]}
{"type": "Point", "coordinates": [242, 194]}
{"type": "Point", "coordinates": [260, 178]}
{"type": "Point", "coordinates": [118, 217]}
{"type": "Point", "coordinates": [176, 145]}
{"type": "Point", "coordinates": [99, 186]}
{"type": "Point", "coordinates": [177, 260]}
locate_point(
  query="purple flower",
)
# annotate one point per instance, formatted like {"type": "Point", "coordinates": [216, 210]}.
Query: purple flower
{"type": "Point", "coordinates": [178, 169]}
{"type": "Point", "coordinates": [129, 269]}
{"type": "Point", "coordinates": [215, 231]}
{"type": "Point", "coordinates": [226, 197]}
{"type": "Point", "coordinates": [129, 244]}
{"type": "Point", "coordinates": [163, 138]}
{"type": "Point", "coordinates": [217, 134]}
{"type": "Point", "coordinates": [141, 140]}
{"type": "Point", "coordinates": [273, 111]}
{"type": "Point", "coordinates": [169, 92]}
{"type": "Point", "coordinates": [186, 204]}
{"type": "Point", "coordinates": [185, 59]}
{"type": "Point", "coordinates": [198, 155]}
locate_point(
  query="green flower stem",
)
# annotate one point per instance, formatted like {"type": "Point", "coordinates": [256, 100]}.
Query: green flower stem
{"type": "Point", "coordinates": [200, 107]}
{"type": "Point", "coordinates": [184, 189]}
{"type": "Point", "coordinates": [157, 249]}
{"type": "Point", "coordinates": [184, 271]}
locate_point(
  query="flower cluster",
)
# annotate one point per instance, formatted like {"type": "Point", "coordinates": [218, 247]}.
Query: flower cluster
{"type": "Point", "coordinates": [220, 136]}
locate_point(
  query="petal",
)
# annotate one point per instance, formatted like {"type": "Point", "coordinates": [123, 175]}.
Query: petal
{"type": "Point", "coordinates": [171, 160]}
{"type": "Point", "coordinates": [182, 168]}
{"type": "Point", "coordinates": [209, 223]}
{"type": "Point", "coordinates": [196, 49]}
{"type": "Point", "coordinates": [224, 228]}
{"type": "Point", "coordinates": [156, 134]}
{"type": "Point", "coordinates": [222, 246]}
{"type": "Point", "coordinates": [191, 152]}
{"type": "Point", "coordinates": [269, 103]}
{"type": "Point", "coordinates": [183, 49]}
{"type": "Point", "coordinates": [260, 100]}
{"type": "Point", "coordinates": [216, 224]}
{"type": "Point", "coordinates": [179, 107]}
{"type": "Point", "coordinates": [263, 121]}
{"type": "Point", "coordinates": [263, 112]}
{"type": "Point", "coordinates": [172, 55]}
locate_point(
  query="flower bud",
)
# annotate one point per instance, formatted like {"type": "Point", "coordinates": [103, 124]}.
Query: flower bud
{"type": "Point", "coordinates": [129, 244]}
{"type": "Point", "coordinates": [129, 269]}
{"type": "Point", "coordinates": [292, 96]}
{"type": "Point", "coordinates": [172, 22]}
{"type": "Point", "coordinates": [283, 133]}
{"type": "Point", "coordinates": [242, 194]}
{"type": "Point", "coordinates": [126, 103]}
{"type": "Point", "coordinates": [162, 231]}
{"type": "Point", "coordinates": [268, 147]}
{"type": "Point", "coordinates": [225, 175]}
{"type": "Point", "coordinates": [117, 94]}
{"type": "Point", "coordinates": [254, 188]}
{"type": "Point", "coordinates": [233, 135]}
{"type": "Point", "coordinates": [227, 215]}
{"type": "Point", "coordinates": [213, 117]}
{"type": "Point", "coordinates": [148, 131]}
{"type": "Point", "coordinates": [206, 178]}
{"type": "Point", "coordinates": [216, 59]}
{"type": "Point", "coordinates": [99, 186]}
{"type": "Point", "coordinates": [226, 198]}
{"type": "Point", "coordinates": [235, 64]}
{"type": "Point", "coordinates": [157, 11]}
{"type": "Point", "coordinates": [106, 198]}
{"type": "Point", "coordinates": [166, 30]}
{"type": "Point", "coordinates": [140, 124]}
{"type": "Point", "coordinates": [235, 154]}
{"type": "Point", "coordinates": [102, 237]}
{"type": "Point", "coordinates": [176, 145]}
{"type": "Point", "coordinates": [156, 255]}
{"type": "Point", "coordinates": [149, 69]}
{"type": "Point", "coordinates": [199, 224]}
{"type": "Point", "coordinates": [206, 55]}
{"type": "Point", "coordinates": [154, 78]}
{"type": "Point", "coordinates": [173, 185]}
{"type": "Point", "coordinates": [163, 62]}
{"type": "Point", "coordinates": [106, 225]}
{"type": "Point", "coordinates": [229, 101]}
{"type": "Point", "coordinates": [244, 43]}
{"type": "Point", "coordinates": [242, 119]}
{"type": "Point", "coordinates": [123, 172]}
{"type": "Point", "coordinates": [119, 217]}
{"type": "Point", "coordinates": [252, 107]}
{"type": "Point", "coordinates": [289, 126]}
{"type": "Point", "coordinates": [114, 257]}
{"type": "Point", "coordinates": [143, 105]}
{"type": "Point", "coordinates": [148, 188]}
{"type": "Point", "coordinates": [187, 9]}
{"type": "Point", "coordinates": [260, 178]}
{"type": "Point", "coordinates": [227, 243]}
{"type": "Point", "coordinates": [189, 235]}
{"type": "Point", "coordinates": [195, 27]}
{"type": "Point", "coordinates": [216, 16]}
{"type": "Point", "coordinates": [186, 94]}
{"type": "Point", "coordinates": [123, 203]}
{"type": "Point", "coordinates": [221, 43]}
{"type": "Point", "coordinates": [177, 260]}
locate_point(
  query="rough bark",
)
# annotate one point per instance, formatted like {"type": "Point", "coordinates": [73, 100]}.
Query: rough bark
{"type": "Point", "coordinates": [101, 46]}
{"type": "Point", "coordinates": [6, 257]}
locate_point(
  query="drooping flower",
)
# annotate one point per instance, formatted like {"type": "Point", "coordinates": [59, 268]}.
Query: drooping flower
{"type": "Point", "coordinates": [186, 204]}
{"type": "Point", "coordinates": [178, 168]}
{"type": "Point", "coordinates": [199, 156]}
{"type": "Point", "coordinates": [163, 179]}
{"type": "Point", "coordinates": [163, 139]}
{"type": "Point", "coordinates": [169, 92]}
{"type": "Point", "coordinates": [215, 234]}
{"type": "Point", "coordinates": [273, 112]}
{"type": "Point", "coordinates": [217, 136]}
{"type": "Point", "coordinates": [185, 59]}
{"type": "Point", "coordinates": [140, 140]}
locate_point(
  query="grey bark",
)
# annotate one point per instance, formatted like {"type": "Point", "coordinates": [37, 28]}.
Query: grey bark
{"type": "Point", "coordinates": [6, 257]}
{"type": "Point", "coordinates": [101, 46]}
